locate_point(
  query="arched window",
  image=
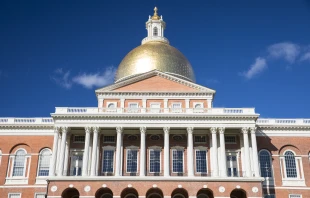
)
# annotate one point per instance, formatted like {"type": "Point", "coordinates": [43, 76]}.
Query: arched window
{"type": "Point", "coordinates": [290, 164]}
{"type": "Point", "coordinates": [111, 105]}
{"type": "Point", "coordinates": [265, 163]}
{"type": "Point", "coordinates": [19, 163]}
{"type": "Point", "coordinates": [44, 162]}
{"type": "Point", "coordinates": [155, 31]}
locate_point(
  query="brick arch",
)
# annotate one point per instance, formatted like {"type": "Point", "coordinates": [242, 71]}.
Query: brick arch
{"type": "Point", "coordinates": [205, 191]}
{"type": "Point", "coordinates": [238, 193]}
{"type": "Point", "coordinates": [103, 193]}
{"type": "Point", "coordinates": [70, 193]}
{"type": "Point", "coordinates": [179, 192]}
{"type": "Point", "coordinates": [129, 191]}
{"type": "Point", "coordinates": [154, 191]}
{"type": "Point", "coordinates": [20, 146]}
{"type": "Point", "coordinates": [289, 147]}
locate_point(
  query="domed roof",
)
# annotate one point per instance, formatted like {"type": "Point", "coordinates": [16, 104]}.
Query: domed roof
{"type": "Point", "coordinates": [155, 55]}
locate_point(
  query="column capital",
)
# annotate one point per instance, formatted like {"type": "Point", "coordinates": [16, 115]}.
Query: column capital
{"type": "Point", "coordinates": [87, 129]}
{"type": "Point", "coordinates": [143, 129]}
{"type": "Point", "coordinates": [253, 130]}
{"type": "Point", "coordinates": [244, 130]}
{"type": "Point", "coordinates": [213, 130]}
{"type": "Point", "coordinates": [64, 129]}
{"type": "Point", "coordinates": [56, 129]}
{"type": "Point", "coordinates": [221, 130]}
{"type": "Point", "coordinates": [190, 130]}
{"type": "Point", "coordinates": [119, 129]}
{"type": "Point", "coordinates": [166, 130]}
{"type": "Point", "coordinates": [96, 129]}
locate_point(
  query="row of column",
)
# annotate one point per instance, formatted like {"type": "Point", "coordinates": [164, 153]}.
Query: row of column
{"type": "Point", "coordinates": [218, 169]}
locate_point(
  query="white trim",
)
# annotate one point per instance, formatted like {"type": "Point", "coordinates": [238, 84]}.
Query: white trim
{"type": "Point", "coordinates": [20, 194]}
{"type": "Point", "coordinates": [39, 161]}
{"type": "Point", "coordinates": [177, 148]}
{"type": "Point", "coordinates": [155, 148]}
{"type": "Point", "coordinates": [108, 148]}
{"type": "Point", "coordinates": [201, 148]}
{"type": "Point", "coordinates": [28, 186]}
{"type": "Point", "coordinates": [136, 149]}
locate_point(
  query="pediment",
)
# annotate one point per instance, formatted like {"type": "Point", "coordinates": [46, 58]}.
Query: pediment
{"type": "Point", "coordinates": [155, 81]}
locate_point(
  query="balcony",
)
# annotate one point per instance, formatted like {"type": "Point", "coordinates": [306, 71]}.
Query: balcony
{"type": "Point", "coordinates": [208, 111]}
{"type": "Point", "coordinates": [282, 122]}
{"type": "Point", "coordinates": [27, 121]}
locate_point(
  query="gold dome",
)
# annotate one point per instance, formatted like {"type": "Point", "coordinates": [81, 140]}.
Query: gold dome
{"type": "Point", "coordinates": [155, 55]}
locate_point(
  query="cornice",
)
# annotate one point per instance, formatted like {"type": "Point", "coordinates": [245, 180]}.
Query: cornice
{"type": "Point", "coordinates": [153, 94]}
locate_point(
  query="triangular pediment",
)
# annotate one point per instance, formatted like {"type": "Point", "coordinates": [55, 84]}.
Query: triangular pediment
{"type": "Point", "coordinates": [155, 81]}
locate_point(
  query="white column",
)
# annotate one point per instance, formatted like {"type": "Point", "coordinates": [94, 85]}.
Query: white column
{"type": "Point", "coordinates": [223, 168]}
{"type": "Point", "coordinates": [65, 171]}
{"type": "Point", "coordinates": [246, 152]}
{"type": "Point", "coordinates": [142, 151]}
{"type": "Point", "coordinates": [190, 152]}
{"type": "Point", "coordinates": [58, 153]}
{"type": "Point", "coordinates": [54, 154]}
{"type": "Point", "coordinates": [166, 152]}
{"type": "Point", "coordinates": [94, 152]}
{"type": "Point", "coordinates": [62, 150]}
{"type": "Point", "coordinates": [86, 151]}
{"type": "Point", "coordinates": [119, 131]}
{"type": "Point", "coordinates": [215, 171]}
{"type": "Point", "coordinates": [255, 153]}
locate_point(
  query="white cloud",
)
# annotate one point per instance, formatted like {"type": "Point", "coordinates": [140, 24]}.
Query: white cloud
{"type": "Point", "coordinates": [62, 78]}
{"type": "Point", "coordinates": [286, 50]}
{"type": "Point", "coordinates": [257, 67]}
{"type": "Point", "coordinates": [305, 57]}
{"type": "Point", "coordinates": [98, 79]}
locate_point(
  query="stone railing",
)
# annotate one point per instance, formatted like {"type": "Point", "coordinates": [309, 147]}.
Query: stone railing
{"type": "Point", "coordinates": [265, 121]}
{"type": "Point", "coordinates": [25, 121]}
{"type": "Point", "coordinates": [91, 110]}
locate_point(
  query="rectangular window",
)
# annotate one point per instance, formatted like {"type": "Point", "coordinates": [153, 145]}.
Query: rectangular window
{"type": "Point", "coordinates": [19, 163]}
{"type": "Point", "coordinates": [177, 161]}
{"type": "Point", "coordinates": [14, 195]}
{"type": "Point", "coordinates": [108, 139]}
{"type": "Point", "coordinates": [230, 139]}
{"type": "Point", "coordinates": [200, 139]}
{"type": "Point", "coordinates": [44, 165]}
{"type": "Point", "coordinates": [133, 107]}
{"type": "Point", "coordinates": [154, 161]}
{"type": "Point", "coordinates": [132, 161]}
{"type": "Point", "coordinates": [201, 161]}
{"type": "Point", "coordinates": [79, 139]}
{"type": "Point", "coordinates": [295, 196]}
{"type": "Point", "coordinates": [155, 108]}
{"type": "Point", "coordinates": [231, 163]}
{"type": "Point", "coordinates": [41, 195]}
{"type": "Point", "coordinates": [176, 107]}
{"type": "Point", "coordinates": [76, 164]}
{"type": "Point", "coordinates": [108, 161]}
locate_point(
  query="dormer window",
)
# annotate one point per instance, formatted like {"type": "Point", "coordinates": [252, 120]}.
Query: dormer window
{"type": "Point", "coordinates": [155, 31]}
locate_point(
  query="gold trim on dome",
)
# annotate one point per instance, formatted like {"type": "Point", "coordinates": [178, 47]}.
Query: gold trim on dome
{"type": "Point", "coordinates": [155, 16]}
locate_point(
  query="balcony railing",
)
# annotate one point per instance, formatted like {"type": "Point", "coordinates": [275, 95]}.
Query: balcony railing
{"type": "Point", "coordinates": [282, 122]}
{"type": "Point", "coordinates": [25, 121]}
{"type": "Point", "coordinates": [91, 110]}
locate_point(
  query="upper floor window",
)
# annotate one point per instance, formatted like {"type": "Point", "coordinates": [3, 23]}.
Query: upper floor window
{"type": "Point", "coordinates": [155, 107]}
{"type": "Point", "coordinates": [198, 107]}
{"type": "Point", "coordinates": [155, 31]}
{"type": "Point", "coordinates": [76, 163]}
{"type": "Point", "coordinates": [154, 160]}
{"type": "Point", "coordinates": [108, 160]}
{"type": "Point", "coordinates": [15, 195]}
{"type": "Point", "coordinates": [232, 164]}
{"type": "Point", "coordinates": [176, 107]}
{"type": "Point", "coordinates": [111, 106]}
{"type": "Point", "coordinates": [108, 139]}
{"type": "Point", "coordinates": [177, 160]}
{"type": "Point", "coordinates": [230, 139]}
{"type": "Point", "coordinates": [265, 163]}
{"type": "Point", "coordinates": [79, 138]}
{"type": "Point", "coordinates": [290, 164]}
{"type": "Point", "coordinates": [132, 160]}
{"type": "Point", "coordinates": [200, 139]}
{"type": "Point", "coordinates": [19, 163]}
{"type": "Point", "coordinates": [201, 161]}
{"type": "Point", "coordinates": [44, 162]}
{"type": "Point", "coordinates": [133, 107]}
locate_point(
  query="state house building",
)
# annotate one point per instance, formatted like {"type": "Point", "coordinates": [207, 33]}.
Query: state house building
{"type": "Point", "coordinates": [154, 134]}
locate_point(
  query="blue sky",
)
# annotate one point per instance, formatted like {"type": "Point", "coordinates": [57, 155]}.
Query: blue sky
{"type": "Point", "coordinates": [253, 53]}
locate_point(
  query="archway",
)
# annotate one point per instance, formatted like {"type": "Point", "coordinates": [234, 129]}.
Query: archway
{"type": "Point", "coordinates": [205, 193]}
{"type": "Point", "coordinates": [129, 193]}
{"type": "Point", "coordinates": [179, 193]}
{"type": "Point", "coordinates": [238, 193]}
{"type": "Point", "coordinates": [154, 193]}
{"type": "Point", "coordinates": [104, 193]}
{"type": "Point", "coordinates": [70, 193]}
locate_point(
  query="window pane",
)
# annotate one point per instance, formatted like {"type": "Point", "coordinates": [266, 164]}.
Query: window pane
{"type": "Point", "coordinates": [177, 164]}
{"type": "Point", "coordinates": [230, 139]}
{"type": "Point", "coordinates": [44, 163]}
{"type": "Point", "coordinates": [154, 161]}
{"type": "Point", "coordinates": [108, 139]}
{"type": "Point", "coordinates": [132, 161]}
{"type": "Point", "coordinates": [201, 161]}
{"type": "Point", "coordinates": [40, 196]}
{"type": "Point", "coordinates": [290, 164]}
{"type": "Point", "coordinates": [265, 165]}
{"type": "Point", "coordinates": [19, 163]}
{"type": "Point", "coordinates": [200, 139]}
{"type": "Point", "coordinates": [79, 138]}
{"type": "Point", "coordinates": [14, 195]}
{"type": "Point", "coordinates": [108, 161]}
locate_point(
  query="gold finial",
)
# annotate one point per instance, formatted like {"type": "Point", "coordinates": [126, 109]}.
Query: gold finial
{"type": "Point", "coordinates": [155, 16]}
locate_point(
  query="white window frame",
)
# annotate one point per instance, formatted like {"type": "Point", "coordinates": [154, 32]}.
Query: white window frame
{"type": "Point", "coordinates": [271, 165]}
{"type": "Point", "coordinates": [229, 135]}
{"type": "Point", "coordinates": [198, 110]}
{"type": "Point", "coordinates": [176, 110]}
{"type": "Point", "coordinates": [294, 195]}
{"type": "Point", "coordinates": [39, 161]}
{"type": "Point", "coordinates": [155, 148]}
{"type": "Point", "coordinates": [300, 179]}
{"type": "Point", "coordinates": [39, 193]}
{"type": "Point", "coordinates": [111, 109]}
{"type": "Point", "coordinates": [108, 148]}
{"type": "Point", "coordinates": [201, 148]}
{"type": "Point", "coordinates": [197, 135]}
{"type": "Point", "coordinates": [138, 155]}
{"type": "Point", "coordinates": [25, 165]}
{"type": "Point", "coordinates": [133, 110]}
{"type": "Point", "coordinates": [177, 148]}
{"type": "Point", "coordinates": [155, 110]}
{"type": "Point", "coordinates": [78, 142]}
{"type": "Point", "coordinates": [20, 194]}
{"type": "Point", "coordinates": [71, 155]}
{"type": "Point", "coordinates": [237, 154]}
